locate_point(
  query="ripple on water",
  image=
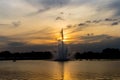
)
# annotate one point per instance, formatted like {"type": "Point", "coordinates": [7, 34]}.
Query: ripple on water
{"type": "Point", "coordinates": [52, 71]}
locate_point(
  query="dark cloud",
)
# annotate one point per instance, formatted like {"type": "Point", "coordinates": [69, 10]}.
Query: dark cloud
{"type": "Point", "coordinates": [69, 26]}
{"type": "Point", "coordinates": [43, 32]}
{"type": "Point", "coordinates": [93, 21]}
{"type": "Point", "coordinates": [41, 38]}
{"type": "Point", "coordinates": [59, 18]}
{"type": "Point", "coordinates": [107, 21]}
{"type": "Point", "coordinates": [115, 5]}
{"type": "Point", "coordinates": [81, 24]}
{"type": "Point", "coordinates": [88, 21]}
{"type": "Point", "coordinates": [54, 3]}
{"type": "Point", "coordinates": [106, 42]}
{"type": "Point", "coordinates": [104, 5]}
{"type": "Point", "coordinates": [39, 11]}
{"type": "Point", "coordinates": [90, 34]}
{"type": "Point", "coordinates": [102, 20]}
{"type": "Point", "coordinates": [28, 48]}
{"type": "Point", "coordinates": [93, 38]}
{"type": "Point", "coordinates": [96, 46]}
{"type": "Point", "coordinates": [96, 21]}
{"type": "Point", "coordinates": [10, 41]}
{"type": "Point", "coordinates": [16, 24]}
{"type": "Point", "coordinates": [110, 19]}
{"type": "Point", "coordinates": [72, 29]}
{"type": "Point", "coordinates": [61, 12]}
{"type": "Point", "coordinates": [45, 5]}
{"type": "Point", "coordinates": [13, 24]}
{"type": "Point", "coordinates": [16, 44]}
{"type": "Point", "coordinates": [79, 27]}
{"type": "Point", "coordinates": [114, 23]}
{"type": "Point", "coordinates": [76, 27]}
{"type": "Point", "coordinates": [3, 38]}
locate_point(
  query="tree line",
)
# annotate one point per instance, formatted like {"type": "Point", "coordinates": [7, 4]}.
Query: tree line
{"type": "Point", "coordinates": [108, 53]}
{"type": "Point", "coordinates": [6, 55]}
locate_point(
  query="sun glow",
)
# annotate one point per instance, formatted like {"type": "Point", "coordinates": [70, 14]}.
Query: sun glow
{"type": "Point", "coordinates": [64, 37]}
{"type": "Point", "coordinates": [51, 36]}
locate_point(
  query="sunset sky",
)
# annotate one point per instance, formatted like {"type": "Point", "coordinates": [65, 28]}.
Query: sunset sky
{"type": "Point", "coordinates": [35, 25]}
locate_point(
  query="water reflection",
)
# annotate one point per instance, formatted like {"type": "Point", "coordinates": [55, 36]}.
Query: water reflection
{"type": "Point", "coordinates": [93, 70]}
{"type": "Point", "coordinates": [48, 70]}
{"type": "Point", "coordinates": [62, 70]}
{"type": "Point", "coordinates": [29, 70]}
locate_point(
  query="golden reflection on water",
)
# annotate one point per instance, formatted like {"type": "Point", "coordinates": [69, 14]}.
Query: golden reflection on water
{"type": "Point", "coordinates": [48, 70]}
{"type": "Point", "coordinates": [64, 73]}
{"type": "Point", "coordinates": [67, 75]}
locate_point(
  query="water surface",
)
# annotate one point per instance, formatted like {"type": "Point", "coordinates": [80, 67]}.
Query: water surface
{"type": "Point", "coordinates": [49, 70]}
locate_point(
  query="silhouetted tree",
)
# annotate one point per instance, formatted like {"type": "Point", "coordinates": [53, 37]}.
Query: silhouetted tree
{"type": "Point", "coordinates": [77, 55]}
{"type": "Point", "coordinates": [108, 53]}
{"type": "Point", "coordinates": [6, 55]}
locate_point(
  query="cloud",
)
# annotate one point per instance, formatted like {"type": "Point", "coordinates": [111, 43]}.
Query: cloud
{"type": "Point", "coordinates": [4, 39]}
{"type": "Point", "coordinates": [75, 28]}
{"type": "Point", "coordinates": [81, 24]}
{"type": "Point", "coordinates": [6, 42]}
{"type": "Point", "coordinates": [16, 24]}
{"type": "Point", "coordinates": [11, 41]}
{"type": "Point", "coordinates": [88, 21]}
{"type": "Point", "coordinates": [16, 44]}
{"type": "Point", "coordinates": [90, 34]}
{"type": "Point", "coordinates": [54, 3]}
{"type": "Point", "coordinates": [4, 24]}
{"type": "Point", "coordinates": [97, 21]}
{"type": "Point", "coordinates": [96, 46]}
{"type": "Point", "coordinates": [22, 47]}
{"type": "Point", "coordinates": [114, 23]}
{"type": "Point", "coordinates": [92, 23]}
{"type": "Point", "coordinates": [69, 26]}
{"type": "Point", "coordinates": [45, 5]}
{"type": "Point", "coordinates": [38, 12]}
{"type": "Point", "coordinates": [12, 24]}
{"type": "Point", "coordinates": [44, 32]}
{"type": "Point", "coordinates": [13, 9]}
{"type": "Point", "coordinates": [111, 7]}
{"type": "Point", "coordinates": [59, 18]}
{"type": "Point", "coordinates": [102, 20]}
{"type": "Point", "coordinates": [110, 19]}
{"type": "Point", "coordinates": [89, 44]}
{"type": "Point", "coordinates": [95, 38]}
{"type": "Point", "coordinates": [106, 21]}
{"type": "Point", "coordinates": [115, 5]}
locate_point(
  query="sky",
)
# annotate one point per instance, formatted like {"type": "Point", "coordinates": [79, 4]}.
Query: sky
{"type": "Point", "coordinates": [35, 25]}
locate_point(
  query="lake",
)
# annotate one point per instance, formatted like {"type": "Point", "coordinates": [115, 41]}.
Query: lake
{"type": "Point", "coordinates": [50, 70]}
